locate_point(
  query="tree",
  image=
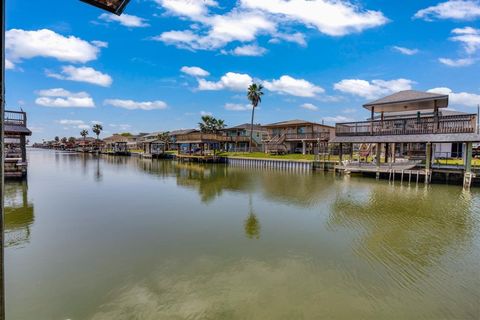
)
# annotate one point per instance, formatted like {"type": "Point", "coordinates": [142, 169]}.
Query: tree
{"type": "Point", "coordinates": [254, 95]}
{"type": "Point", "coordinates": [57, 139]}
{"type": "Point", "coordinates": [64, 140]}
{"type": "Point", "coordinates": [165, 138]}
{"type": "Point", "coordinates": [210, 124]}
{"type": "Point", "coordinates": [97, 129]}
{"type": "Point", "coordinates": [71, 140]}
{"type": "Point", "coordinates": [84, 134]}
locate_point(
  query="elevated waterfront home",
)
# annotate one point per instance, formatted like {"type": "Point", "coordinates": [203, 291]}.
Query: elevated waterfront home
{"type": "Point", "coordinates": [197, 143]}
{"type": "Point", "coordinates": [240, 137]}
{"type": "Point", "coordinates": [174, 137]}
{"type": "Point", "coordinates": [16, 133]}
{"type": "Point", "coordinates": [410, 125]}
{"type": "Point", "coordinates": [296, 136]}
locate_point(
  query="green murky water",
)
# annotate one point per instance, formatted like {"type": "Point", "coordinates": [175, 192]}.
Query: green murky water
{"type": "Point", "coordinates": [124, 238]}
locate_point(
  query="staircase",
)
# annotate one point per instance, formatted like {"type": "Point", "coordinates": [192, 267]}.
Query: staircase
{"type": "Point", "coordinates": [276, 145]}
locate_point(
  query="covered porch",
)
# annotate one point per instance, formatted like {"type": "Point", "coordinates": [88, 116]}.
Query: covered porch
{"type": "Point", "coordinates": [408, 131]}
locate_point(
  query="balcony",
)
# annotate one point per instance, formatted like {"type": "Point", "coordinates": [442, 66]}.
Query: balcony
{"type": "Point", "coordinates": [16, 118]}
{"type": "Point", "coordinates": [323, 136]}
{"type": "Point", "coordinates": [198, 137]}
{"type": "Point", "coordinates": [465, 123]}
{"type": "Point", "coordinates": [307, 136]}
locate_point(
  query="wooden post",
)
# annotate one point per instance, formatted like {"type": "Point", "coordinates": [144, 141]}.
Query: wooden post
{"type": "Point", "coordinates": [386, 152]}
{"type": "Point", "coordinates": [468, 157]}
{"type": "Point", "coordinates": [304, 151]}
{"type": "Point", "coordinates": [377, 157]}
{"type": "Point", "coordinates": [351, 151]}
{"type": "Point", "coordinates": [467, 180]}
{"type": "Point", "coordinates": [371, 119]}
{"type": "Point", "coordinates": [340, 152]}
{"type": "Point", "coordinates": [427, 161]}
{"type": "Point", "coordinates": [393, 152]}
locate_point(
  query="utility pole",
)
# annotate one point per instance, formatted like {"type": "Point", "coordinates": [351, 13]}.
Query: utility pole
{"type": "Point", "coordinates": [478, 118]}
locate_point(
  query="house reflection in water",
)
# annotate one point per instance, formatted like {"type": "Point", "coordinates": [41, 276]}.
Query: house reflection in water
{"type": "Point", "coordinates": [19, 214]}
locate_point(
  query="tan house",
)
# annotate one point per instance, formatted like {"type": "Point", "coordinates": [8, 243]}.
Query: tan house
{"type": "Point", "coordinates": [296, 136]}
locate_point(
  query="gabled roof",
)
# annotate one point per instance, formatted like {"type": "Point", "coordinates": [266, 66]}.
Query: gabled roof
{"type": "Point", "coordinates": [408, 100]}
{"type": "Point", "coordinates": [182, 131]}
{"type": "Point", "coordinates": [246, 126]}
{"type": "Point", "coordinates": [294, 122]}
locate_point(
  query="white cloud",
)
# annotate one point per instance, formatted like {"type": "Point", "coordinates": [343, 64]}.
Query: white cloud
{"type": "Point", "coordinates": [195, 71]}
{"type": "Point", "coordinates": [251, 50]}
{"type": "Point", "coordinates": [219, 30]}
{"type": "Point", "coordinates": [295, 87]}
{"type": "Point", "coordinates": [136, 105]}
{"type": "Point", "coordinates": [206, 113]}
{"type": "Point", "coordinates": [231, 81]}
{"type": "Point", "coordinates": [248, 19]}
{"type": "Point", "coordinates": [373, 89]}
{"type": "Point", "coordinates": [61, 98]}
{"type": "Point", "coordinates": [337, 119]}
{"type": "Point", "coordinates": [67, 122]}
{"type": "Point", "coordinates": [453, 9]}
{"type": "Point", "coordinates": [297, 37]}
{"type": "Point", "coordinates": [83, 74]}
{"type": "Point", "coordinates": [126, 20]}
{"type": "Point", "coordinates": [194, 9]}
{"type": "Point", "coordinates": [100, 44]}
{"type": "Point", "coordinates": [406, 51]}
{"type": "Point", "coordinates": [23, 44]}
{"type": "Point", "coordinates": [468, 37]}
{"type": "Point", "coordinates": [459, 98]}
{"type": "Point", "coordinates": [9, 65]}
{"type": "Point", "coordinates": [237, 107]}
{"type": "Point", "coordinates": [333, 18]}
{"type": "Point", "coordinates": [462, 62]}
{"type": "Point", "coordinates": [309, 106]}
{"type": "Point", "coordinates": [73, 124]}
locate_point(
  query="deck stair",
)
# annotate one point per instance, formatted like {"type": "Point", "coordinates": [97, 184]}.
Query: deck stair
{"type": "Point", "coordinates": [276, 144]}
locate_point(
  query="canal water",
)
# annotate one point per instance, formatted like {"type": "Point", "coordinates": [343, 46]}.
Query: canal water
{"type": "Point", "coordinates": [124, 238]}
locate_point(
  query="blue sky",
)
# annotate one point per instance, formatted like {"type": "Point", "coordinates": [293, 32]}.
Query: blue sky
{"type": "Point", "coordinates": [166, 62]}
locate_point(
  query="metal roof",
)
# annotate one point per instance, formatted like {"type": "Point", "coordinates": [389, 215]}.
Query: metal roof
{"type": "Point", "coordinates": [408, 100]}
{"type": "Point", "coordinates": [9, 129]}
{"type": "Point", "coordinates": [294, 123]}
{"type": "Point", "coordinates": [246, 126]}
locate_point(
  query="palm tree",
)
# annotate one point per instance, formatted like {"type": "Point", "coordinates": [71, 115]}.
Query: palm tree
{"type": "Point", "coordinates": [210, 124]}
{"type": "Point", "coordinates": [97, 129]}
{"type": "Point", "coordinates": [254, 95]}
{"type": "Point", "coordinates": [84, 134]}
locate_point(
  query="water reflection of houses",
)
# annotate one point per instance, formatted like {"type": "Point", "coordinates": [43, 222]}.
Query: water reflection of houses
{"type": "Point", "coordinates": [412, 228]}
{"type": "Point", "coordinates": [19, 214]}
{"type": "Point", "coordinates": [16, 133]}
